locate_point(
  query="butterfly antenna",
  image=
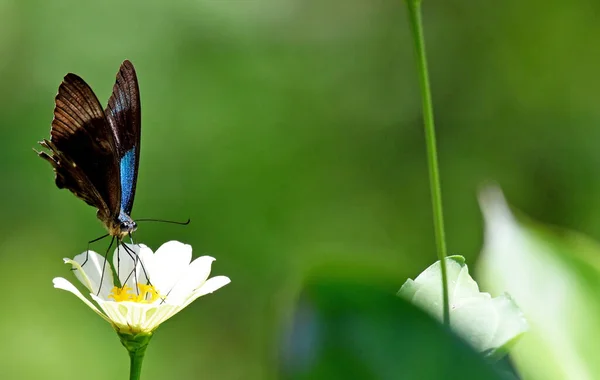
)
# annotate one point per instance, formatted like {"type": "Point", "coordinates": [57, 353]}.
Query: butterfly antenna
{"type": "Point", "coordinates": [165, 221]}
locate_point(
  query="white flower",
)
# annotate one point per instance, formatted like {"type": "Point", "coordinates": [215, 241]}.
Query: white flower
{"type": "Point", "coordinates": [154, 286]}
{"type": "Point", "coordinates": [491, 325]}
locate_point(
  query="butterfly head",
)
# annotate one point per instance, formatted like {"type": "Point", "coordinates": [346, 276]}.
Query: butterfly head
{"type": "Point", "coordinates": [122, 226]}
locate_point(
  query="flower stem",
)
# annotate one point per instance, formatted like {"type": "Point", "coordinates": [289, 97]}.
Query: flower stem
{"type": "Point", "coordinates": [136, 346]}
{"type": "Point", "coordinates": [416, 23]}
{"type": "Point", "coordinates": [135, 364]}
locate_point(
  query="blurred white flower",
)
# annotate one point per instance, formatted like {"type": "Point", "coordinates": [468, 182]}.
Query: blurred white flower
{"type": "Point", "coordinates": [154, 286]}
{"type": "Point", "coordinates": [553, 274]}
{"type": "Point", "coordinates": [490, 325]}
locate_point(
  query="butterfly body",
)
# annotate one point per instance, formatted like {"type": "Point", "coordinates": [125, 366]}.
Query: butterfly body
{"type": "Point", "coordinates": [95, 152]}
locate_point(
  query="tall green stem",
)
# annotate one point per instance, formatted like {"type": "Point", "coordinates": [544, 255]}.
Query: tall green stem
{"type": "Point", "coordinates": [135, 363]}
{"type": "Point", "coordinates": [136, 346]}
{"type": "Point", "coordinates": [416, 23]}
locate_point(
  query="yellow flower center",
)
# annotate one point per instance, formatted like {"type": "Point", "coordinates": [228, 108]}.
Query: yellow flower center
{"type": "Point", "coordinates": [146, 294]}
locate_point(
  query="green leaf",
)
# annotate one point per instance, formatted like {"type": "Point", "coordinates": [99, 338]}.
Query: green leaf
{"type": "Point", "coordinates": [554, 277]}
{"type": "Point", "coordinates": [488, 324]}
{"type": "Point", "coordinates": [351, 328]}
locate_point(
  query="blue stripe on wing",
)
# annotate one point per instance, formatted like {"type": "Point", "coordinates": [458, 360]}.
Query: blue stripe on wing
{"type": "Point", "coordinates": [127, 167]}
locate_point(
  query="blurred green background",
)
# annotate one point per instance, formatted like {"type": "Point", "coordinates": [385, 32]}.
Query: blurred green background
{"type": "Point", "coordinates": [290, 133]}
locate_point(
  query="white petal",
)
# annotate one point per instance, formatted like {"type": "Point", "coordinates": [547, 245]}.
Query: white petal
{"type": "Point", "coordinates": [61, 283]}
{"type": "Point", "coordinates": [95, 275]}
{"type": "Point", "coordinates": [118, 312]}
{"type": "Point", "coordinates": [168, 265]}
{"type": "Point", "coordinates": [475, 320]}
{"type": "Point", "coordinates": [194, 276]}
{"type": "Point", "coordinates": [209, 286]}
{"type": "Point", "coordinates": [129, 265]}
{"type": "Point", "coordinates": [163, 313]}
{"type": "Point", "coordinates": [109, 310]}
{"type": "Point", "coordinates": [135, 317]}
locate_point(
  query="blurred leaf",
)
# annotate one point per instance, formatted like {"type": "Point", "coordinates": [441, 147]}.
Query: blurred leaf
{"type": "Point", "coordinates": [489, 324]}
{"type": "Point", "coordinates": [348, 330]}
{"type": "Point", "coordinates": [554, 277]}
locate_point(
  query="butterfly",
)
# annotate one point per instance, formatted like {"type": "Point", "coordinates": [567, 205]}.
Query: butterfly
{"type": "Point", "coordinates": [95, 153]}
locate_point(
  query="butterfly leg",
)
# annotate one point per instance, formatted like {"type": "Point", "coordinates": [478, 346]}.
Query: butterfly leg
{"type": "Point", "coordinates": [87, 251]}
{"type": "Point", "coordinates": [104, 264]}
{"type": "Point", "coordinates": [135, 257]}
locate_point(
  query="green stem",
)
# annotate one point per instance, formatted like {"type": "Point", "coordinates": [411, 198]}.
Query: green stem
{"type": "Point", "coordinates": [416, 23]}
{"type": "Point", "coordinates": [136, 346]}
{"type": "Point", "coordinates": [135, 363]}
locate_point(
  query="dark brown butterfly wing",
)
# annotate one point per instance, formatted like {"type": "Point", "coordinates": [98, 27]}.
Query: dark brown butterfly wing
{"type": "Point", "coordinates": [123, 114]}
{"type": "Point", "coordinates": [82, 148]}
